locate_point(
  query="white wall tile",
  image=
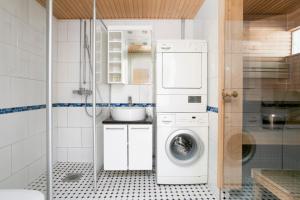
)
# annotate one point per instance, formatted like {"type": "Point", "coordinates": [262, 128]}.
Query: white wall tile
{"type": "Point", "coordinates": [208, 17]}
{"type": "Point", "coordinates": [10, 133]}
{"type": "Point", "coordinates": [7, 54]}
{"type": "Point", "coordinates": [18, 180]}
{"type": "Point", "coordinates": [36, 121]}
{"type": "Point", "coordinates": [62, 117]}
{"type": "Point", "coordinates": [5, 100]}
{"type": "Point", "coordinates": [19, 89]}
{"type": "Point", "coordinates": [26, 152]}
{"type": "Point", "coordinates": [37, 16]}
{"type": "Point", "coordinates": [17, 8]}
{"type": "Point", "coordinates": [74, 31]}
{"type": "Point", "coordinates": [80, 155]}
{"type": "Point", "coordinates": [36, 68]}
{"type": "Point", "coordinates": [146, 93]}
{"type": "Point", "coordinates": [213, 151]}
{"type": "Point", "coordinates": [69, 137]}
{"type": "Point", "coordinates": [62, 154]}
{"type": "Point", "coordinates": [87, 137]}
{"type": "Point", "coordinates": [22, 80]}
{"type": "Point", "coordinates": [20, 67]}
{"type": "Point", "coordinates": [62, 30]}
{"type": "Point", "coordinates": [167, 29]}
{"type": "Point", "coordinates": [6, 27]}
{"type": "Point", "coordinates": [78, 118]}
{"type": "Point", "coordinates": [120, 93]}
{"type": "Point", "coordinates": [36, 169]}
{"type": "Point", "coordinates": [68, 52]}
{"type": "Point", "coordinates": [64, 92]}
{"type": "Point", "coordinates": [5, 164]}
{"type": "Point", "coordinates": [44, 141]}
{"type": "Point", "coordinates": [67, 72]}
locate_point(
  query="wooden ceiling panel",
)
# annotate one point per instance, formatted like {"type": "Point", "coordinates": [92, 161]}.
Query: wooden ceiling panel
{"type": "Point", "coordinates": [126, 9]}
{"type": "Point", "coordinates": [270, 7]}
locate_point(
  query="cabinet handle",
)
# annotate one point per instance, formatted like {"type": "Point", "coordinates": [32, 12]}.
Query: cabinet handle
{"type": "Point", "coordinates": [166, 48]}
{"type": "Point", "coordinates": [140, 128]}
{"type": "Point", "coordinates": [165, 121]}
{"type": "Point", "coordinates": [114, 128]}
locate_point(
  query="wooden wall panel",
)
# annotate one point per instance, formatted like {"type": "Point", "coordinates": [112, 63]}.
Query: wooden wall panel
{"type": "Point", "coordinates": [127, 9]}
{"type": "Point", "coordinates": [266, 37]}
{"type": "Point", "coordinates": [266, 40]}
{"type": "Point", "coordinates": [270, 7]}
{"type": "Point", "coordinates": [293, 20]}
{"type": "Point", "coordinates": [294, 80]}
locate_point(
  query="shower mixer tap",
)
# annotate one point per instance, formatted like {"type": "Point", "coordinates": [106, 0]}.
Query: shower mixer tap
{"type": "Point", "coordinates": [83, 91]}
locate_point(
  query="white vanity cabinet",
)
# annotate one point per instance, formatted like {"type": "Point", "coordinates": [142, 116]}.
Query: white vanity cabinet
{"type": "Point", "coordinates": [140, 147]}
{"type": "Point", "coordinates": [128, 147]}
{"type": "Point", "coordinates": [115, 147]}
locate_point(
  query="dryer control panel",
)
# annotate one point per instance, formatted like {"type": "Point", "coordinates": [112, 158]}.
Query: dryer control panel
{"type": "Point", "coordinates": [181, 46]}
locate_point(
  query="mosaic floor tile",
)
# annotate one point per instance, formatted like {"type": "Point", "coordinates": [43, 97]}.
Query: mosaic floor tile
{"type": "Point", "coordinates": [133, 185]}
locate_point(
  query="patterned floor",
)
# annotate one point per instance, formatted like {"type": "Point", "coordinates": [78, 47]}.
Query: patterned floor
{"type": "Point", "coordinates": [130, 185]}
{"type": "Point", "coordinates": [247, 194]}
{"type": "Point", "coordinates": [133, 185]}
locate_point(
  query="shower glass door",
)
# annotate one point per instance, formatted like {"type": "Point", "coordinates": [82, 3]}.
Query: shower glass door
{"type": "Point", "coordinates": [261, 100]}
{"type": "Point", "coordinates": [101, 95]}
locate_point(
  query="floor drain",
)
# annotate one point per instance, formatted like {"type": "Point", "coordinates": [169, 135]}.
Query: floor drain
{"type": "Point", "coordinates": [72, 177]}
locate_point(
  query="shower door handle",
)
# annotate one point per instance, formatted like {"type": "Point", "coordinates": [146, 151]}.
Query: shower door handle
{"type": "Point", "coordinates": [233, 94]}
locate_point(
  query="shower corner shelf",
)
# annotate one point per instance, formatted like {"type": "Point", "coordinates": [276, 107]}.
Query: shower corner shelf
{"type": "Point", "coordinates": [117, 65]}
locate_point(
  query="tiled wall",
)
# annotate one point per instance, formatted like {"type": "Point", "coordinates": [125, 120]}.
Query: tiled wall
{"type": "Point", "coordinates": [208, 17]}
{"type": "Point", "coordinates": [74, 126]}
{"type": "Point", "coordinates": [22, 83]}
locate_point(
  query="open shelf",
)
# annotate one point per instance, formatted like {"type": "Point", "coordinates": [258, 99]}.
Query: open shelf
{"type": "Point", "coordinates": [116, 57]}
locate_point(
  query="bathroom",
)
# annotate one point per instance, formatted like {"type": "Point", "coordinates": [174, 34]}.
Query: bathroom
{"type": "Point", "coordinates": [60, 141]}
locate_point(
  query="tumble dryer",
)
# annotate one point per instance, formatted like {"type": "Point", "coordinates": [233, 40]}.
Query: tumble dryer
{"type": "Point", "coordinates": [181, 76]}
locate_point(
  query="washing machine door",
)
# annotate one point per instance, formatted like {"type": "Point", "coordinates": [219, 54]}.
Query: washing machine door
{"type": "Point", "coordinates": [184, 147]}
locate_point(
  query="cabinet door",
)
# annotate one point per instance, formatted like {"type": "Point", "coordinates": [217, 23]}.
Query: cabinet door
{"type": "Point", "coordinates": [115, 147]}
{"type": "Point", "coordinates": [140, 147]}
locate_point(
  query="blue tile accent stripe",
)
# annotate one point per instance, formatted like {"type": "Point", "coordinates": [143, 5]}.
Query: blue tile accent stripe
{"type": "Point", "coordinates": [212, 109]}
{"type": "Point", "coordinates": [43, 106]}
{"type": "Point", "coordinates": [21, 109]}
{"type": "Point", "coordinates": [103, 105]}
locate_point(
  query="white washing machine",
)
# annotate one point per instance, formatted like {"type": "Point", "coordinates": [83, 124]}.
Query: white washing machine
{"type": "Point", "coordinates": [182, 148]}
{"type": "Point", "coordinates": [181, 76]}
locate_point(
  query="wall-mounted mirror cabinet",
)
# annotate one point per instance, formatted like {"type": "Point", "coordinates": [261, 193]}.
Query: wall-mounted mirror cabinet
{"type": "Point", "coordinates": [130, 58]}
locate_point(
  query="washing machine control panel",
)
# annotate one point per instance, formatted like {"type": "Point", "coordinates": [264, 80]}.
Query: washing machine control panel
{"type": "Point", "coordinates": [182, 119]}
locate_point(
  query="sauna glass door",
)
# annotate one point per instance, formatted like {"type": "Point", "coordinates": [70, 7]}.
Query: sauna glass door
{"type": "Point", "coordinates": [261, 100]}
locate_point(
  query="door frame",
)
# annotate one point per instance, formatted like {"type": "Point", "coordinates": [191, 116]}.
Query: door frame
{"type": "Point", "coordinates": [221, 86]}
{"type": "Point", "coordinates": [227, 12]}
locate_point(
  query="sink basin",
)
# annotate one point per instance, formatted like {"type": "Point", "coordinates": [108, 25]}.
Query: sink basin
{"type": "Point", "coordinates": [128, 114]}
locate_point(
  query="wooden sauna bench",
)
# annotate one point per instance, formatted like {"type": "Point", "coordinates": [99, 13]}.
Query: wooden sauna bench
{"type": "Point", "coordinates": [284, 184]}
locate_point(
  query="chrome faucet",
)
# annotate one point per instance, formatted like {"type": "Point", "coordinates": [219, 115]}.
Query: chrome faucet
{"type": "Point", "coordinates": [129, 100]}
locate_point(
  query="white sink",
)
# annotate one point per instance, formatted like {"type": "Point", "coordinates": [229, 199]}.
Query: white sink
{"type": "Point", "coordinates": [128, 114]}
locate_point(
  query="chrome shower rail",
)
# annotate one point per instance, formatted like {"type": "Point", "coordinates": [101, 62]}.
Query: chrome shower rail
{"type": "Point", "coordinates": [49, 98]}
{"type": "Point", "coordinates": [94, 93]}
